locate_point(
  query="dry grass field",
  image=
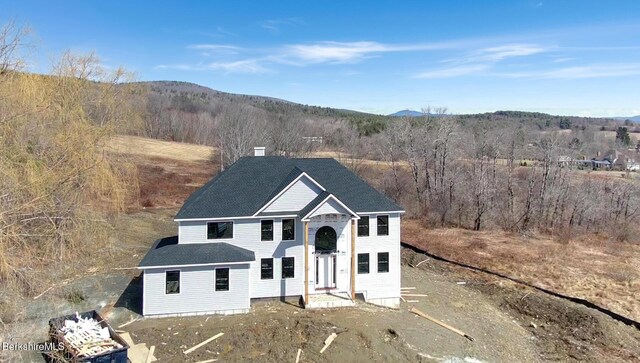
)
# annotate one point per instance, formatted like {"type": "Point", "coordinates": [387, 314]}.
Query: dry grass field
{"type": "Point", "coordinates": [157, 148]}
{"type": "Point", "coordinates": [595, 268]}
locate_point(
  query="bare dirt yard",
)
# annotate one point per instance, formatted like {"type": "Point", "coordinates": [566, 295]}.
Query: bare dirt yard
{"type": "Point", "coordinates": [509, 322]}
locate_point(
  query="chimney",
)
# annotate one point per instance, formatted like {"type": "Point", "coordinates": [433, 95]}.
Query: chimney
{"type": "Point", "coordinates": [258, 151]}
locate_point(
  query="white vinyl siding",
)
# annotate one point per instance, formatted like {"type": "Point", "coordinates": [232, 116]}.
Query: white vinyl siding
{"type": "Point", "coordinates": [296, 197]}
{"type": "Point", "coordinates": [197, 293]}
{"type": "Point", "coordinates": [371, 284]}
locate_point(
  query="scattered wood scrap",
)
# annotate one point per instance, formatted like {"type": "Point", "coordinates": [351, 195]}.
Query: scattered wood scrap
{"type": "Point", "coordinates": [401, 298]}
{"type": "Point", "coordinates": [298, 355]}
{"type": "Point", "coordinates": [203, 343]}
{"type": "Point", "coordinates": [415, 295]}
{"type": "Point", "coordinates": [150, 355]}
{"type": "Point", "coordinates": [129, 322]}
{"type": "Point", "coordinates": [328, 342]}
{"type": "Point", "coordinates": [407, 288]}
{"type": "Point", "coordinates": [457, 331]}
{"type": "Point", "coordinates": [207, 361]}
{"type": "Point", "coordinates": [421, 262]}
{"type": "Point", "coordinates": [413, 301]}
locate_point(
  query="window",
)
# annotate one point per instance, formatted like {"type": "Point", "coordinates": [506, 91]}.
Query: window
{"type": "Point", "coordinates": [363, 263]}
{"type": "Point", "coordinates": [172, 282]}
{"type": "Point", "coordinates": [266, 268]}
{"type": "Point", "coordinates": [383, 225]}
{"type": "Point", "coordinates": [363, 227]}
{"type": "Point", "coordinates": [266, 230]}
{"type": "Point", "coordinates": [217, 230]}
{"type": "Point", "coordinates": [288, 268]}
{"type": "Point", "coordinates": [222, 279]}
{"type": "Point", "coordinates": [288, 229]}
{"type": "Point", "coordinates": [383, 261]}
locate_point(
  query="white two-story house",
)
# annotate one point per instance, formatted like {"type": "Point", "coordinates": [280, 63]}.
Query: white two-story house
{"type": "Point", "coordinates": [269, 226]}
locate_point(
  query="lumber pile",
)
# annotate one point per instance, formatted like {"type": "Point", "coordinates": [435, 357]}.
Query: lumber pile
{"type": "Point", "coordinates": [87, 337]}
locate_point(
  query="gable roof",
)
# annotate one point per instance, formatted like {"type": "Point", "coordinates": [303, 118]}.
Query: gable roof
{"type": "Point", "coordinates": [248, 184]}
{"type": "Point", "coordinates": [167, 252]}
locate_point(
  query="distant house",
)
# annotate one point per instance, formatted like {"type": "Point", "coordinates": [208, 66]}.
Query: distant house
{"type": "Point", "coordinates": [267, 227]}
{"type": "Point", "coordinates": [623, 160]}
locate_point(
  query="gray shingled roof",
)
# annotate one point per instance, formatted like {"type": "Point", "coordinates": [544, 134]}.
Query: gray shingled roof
{"type": "Point", "coordinates": [248, 184]}
{"type": "Point", "coordinates": [167, 252]}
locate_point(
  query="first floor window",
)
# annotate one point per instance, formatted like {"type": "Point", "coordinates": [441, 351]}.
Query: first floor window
{"type": "Point", "coordinates": [266, 268]}
{"type": "Point", "coordinates": [383, 225]}
{"type": "Point", "coordinates": [217, 230]}
{"type": "Point", "coordinates": [222, 279]}
{"type": "Point", "coordinates": [363, 263]}
{"type": "Point", "coordinates": [288, 267]}
{"type": "Point", "coordinates": [172, 282]}
{"type": "Point", "coordinates": [266, 230]}
{"type": "Point", "coordinates": [288, 229]}
{"type": "Point", "coordinates": [363, 227]}
{"type": "Point", "coordinates": [383, 261]}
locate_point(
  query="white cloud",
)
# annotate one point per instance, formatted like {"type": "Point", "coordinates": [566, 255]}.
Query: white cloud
{"type": "Point", "coordinates": [347, 52]}
{"type": "Point", "coordinates": [453, 71]}
{"type": "Point", "coordinates": [582, 72]}
{"type": "Point", "coordinates": [247, 66]}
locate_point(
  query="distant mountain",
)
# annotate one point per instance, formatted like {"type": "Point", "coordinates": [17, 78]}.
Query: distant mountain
{"type": "Point", "coordinates": [632, 118]}
{"type": "Point", "coordinates": [407, 113]}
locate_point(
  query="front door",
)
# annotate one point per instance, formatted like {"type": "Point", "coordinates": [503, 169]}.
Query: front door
{"type": "Point", "coordinates": [325, 271]}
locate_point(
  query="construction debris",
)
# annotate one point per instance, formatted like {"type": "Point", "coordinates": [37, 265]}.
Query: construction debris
{"type": "Point", "coordinates": [412, 301]}
{"type": "Point", "coordinates": [407, 288]}
{"type": "Point", "coordinates": [207, 361]}
{"type": "Point", "coordinates": [328, 342]}
{"type": "Point", "coordinates": [415, 295]}
{"type": "Point", "coordinates": [203, 343]}
{"type": "Point", "coordinates": [298, 355]}
{"type": "Point", "coordinates": [421, 314]}
{"type": "Point", "coordinates": [87, 337]}
{"type": "Point", "coordinates": [150, 355]}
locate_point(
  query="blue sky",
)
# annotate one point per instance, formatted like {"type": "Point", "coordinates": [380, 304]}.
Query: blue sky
{"type": "Point", "coordinates": [560, 57]}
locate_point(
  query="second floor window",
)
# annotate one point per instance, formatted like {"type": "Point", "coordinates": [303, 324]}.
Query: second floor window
{"type": "Point", "coordinates": [383, 225]}
{"type": "Point", "coordinates": [363, 227]}
{"type": "Point", "coordinates": [266, 230]}
{"type": "Point", "coordinates": [288, 229]}
{"type": "Point", "coordinates": [216, 230]}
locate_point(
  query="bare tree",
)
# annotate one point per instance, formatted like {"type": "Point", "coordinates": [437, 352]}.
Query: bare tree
{"type": "Point", "coordinates": [239, 130]}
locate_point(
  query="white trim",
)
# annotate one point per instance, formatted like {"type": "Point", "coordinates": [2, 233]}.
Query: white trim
{"type": "Point", "coordinates": [213, 219]}
{"type": "Point", "coordinates": [287, 188]}
{"type": "Point", "coordinates": [306, 219]}
{"type": "Point", "coordinates": [193, 265]}
{"type": "Point", "coordinates": [383, 212]}
{"type": "Point", "coordinates": [179, 282]}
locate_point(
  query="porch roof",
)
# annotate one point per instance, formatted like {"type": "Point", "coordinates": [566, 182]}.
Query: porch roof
{"type": "Point", "coordinates": [168, 252]}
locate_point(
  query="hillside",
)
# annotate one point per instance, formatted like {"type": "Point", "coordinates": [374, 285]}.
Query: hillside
{"type": "Point", "coordinates": [182, 111]}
